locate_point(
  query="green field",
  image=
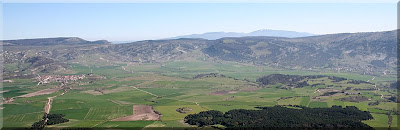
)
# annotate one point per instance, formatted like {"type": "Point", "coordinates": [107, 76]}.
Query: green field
{"type": "Point", "coordinates": [170, 86]}
{"type": "Point", "coordinates": [317, 104]}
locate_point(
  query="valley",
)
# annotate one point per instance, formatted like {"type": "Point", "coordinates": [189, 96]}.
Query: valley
{"type": "Point", "coordinates": [144, 84]}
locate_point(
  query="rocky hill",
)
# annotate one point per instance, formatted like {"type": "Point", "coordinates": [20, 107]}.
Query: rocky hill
{"type": "Point", "coordinates": [375, 51]}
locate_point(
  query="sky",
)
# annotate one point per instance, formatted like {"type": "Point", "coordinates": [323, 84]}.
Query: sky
{"type": "Point", "coordinates": [144, 21]}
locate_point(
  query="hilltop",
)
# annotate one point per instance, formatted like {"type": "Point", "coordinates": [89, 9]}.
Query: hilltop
{"type": "Point", "coordinates": [51, 41]}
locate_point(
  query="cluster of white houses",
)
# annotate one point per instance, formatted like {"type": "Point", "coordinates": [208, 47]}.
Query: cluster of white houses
{"type": "Point", "coordinates": [58, 78]}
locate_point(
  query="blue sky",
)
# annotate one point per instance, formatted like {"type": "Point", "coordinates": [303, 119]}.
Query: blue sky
{"type": "Point", "coordinates": [141, 21]}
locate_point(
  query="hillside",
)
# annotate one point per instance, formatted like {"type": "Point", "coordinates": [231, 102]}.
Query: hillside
{"type": "Point", "coordinates": [51, 41]}
{"type": "Point", "coordinates": [368, 52]}
{"type": "Point", "coordinates": [372, 53]}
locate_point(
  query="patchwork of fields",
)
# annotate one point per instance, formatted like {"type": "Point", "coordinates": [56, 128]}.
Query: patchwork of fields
{"type": "Point", "coordinates": [170, 86]}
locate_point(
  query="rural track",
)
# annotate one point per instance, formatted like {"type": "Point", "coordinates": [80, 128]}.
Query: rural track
{"type": "Point", "coordinates": [145, 91]}
{"type": "Point", "coordinates": [47, 107]}
{"type": "Point", "coordinates": [197, 103]}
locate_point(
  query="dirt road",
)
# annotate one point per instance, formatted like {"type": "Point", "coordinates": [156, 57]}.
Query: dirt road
{"type": "Point", "coordinates": [47, 107]}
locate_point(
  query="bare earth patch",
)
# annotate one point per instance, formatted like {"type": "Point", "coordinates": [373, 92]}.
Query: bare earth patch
{"type": "Point", "coordinates": [4, 91]}
{"type": "Point", "coordinates": [8, 81]}
{"type": "Point", "coordinates": [41, 92]}
{"type": "Point", "coordinates": [141, 112]}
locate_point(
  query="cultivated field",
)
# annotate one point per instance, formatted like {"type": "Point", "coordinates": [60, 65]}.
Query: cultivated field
{"type": "Point", "coordinates": [134, 95]}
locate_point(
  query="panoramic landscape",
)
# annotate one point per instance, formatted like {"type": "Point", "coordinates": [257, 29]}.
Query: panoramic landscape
{"type": "Point", "coordinates": [219, 80]}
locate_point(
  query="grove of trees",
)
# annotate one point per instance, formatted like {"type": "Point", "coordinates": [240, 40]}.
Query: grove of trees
{"type": "Point", "coordinates": [283, 117]}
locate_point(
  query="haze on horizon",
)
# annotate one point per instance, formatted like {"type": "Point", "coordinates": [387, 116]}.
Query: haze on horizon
{"type": "Point", "coordinates": [143, 21]}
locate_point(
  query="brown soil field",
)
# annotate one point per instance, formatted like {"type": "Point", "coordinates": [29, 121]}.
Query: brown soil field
{"type": "Point", "coordinates": [41, 92]}
{"type": "Point", "coordinates": [141, 112]}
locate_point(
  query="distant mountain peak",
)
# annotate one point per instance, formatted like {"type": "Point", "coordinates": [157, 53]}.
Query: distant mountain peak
{"type": "Point", "coordinates": [264, 30]}
{"type": "Point", "coordinates": [280, 33]}
{"type": "Point", "coordinates": [261, 32]}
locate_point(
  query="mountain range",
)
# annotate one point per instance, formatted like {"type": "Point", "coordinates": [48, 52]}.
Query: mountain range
{"type": "Point", "coordinates": [51, 41]}
{"type": "Point", "coordinates": [264, 32]}
{"type": "Point", "coordinates": [367, 52]}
